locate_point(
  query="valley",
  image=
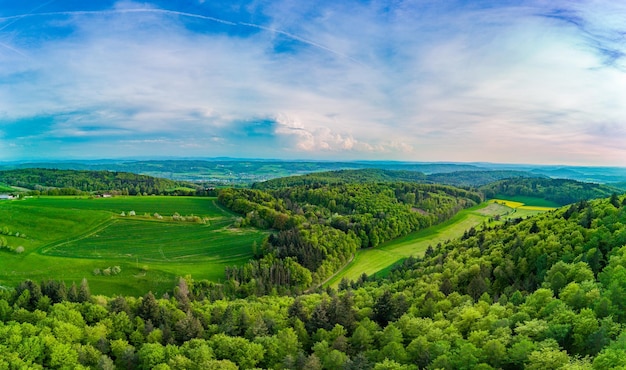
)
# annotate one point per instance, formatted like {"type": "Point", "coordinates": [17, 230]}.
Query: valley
{"type": "Point", "coordinates": [311, 269]}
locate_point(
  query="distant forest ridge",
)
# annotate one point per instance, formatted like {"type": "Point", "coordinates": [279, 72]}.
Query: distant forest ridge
{"type": "Point", "coordinates": [71, 182]}
{"type": "Point", "coordinates": [492, 184]}
{"type": "Point", "coordinates": [229, 171]}
{"type": "Point", "coordinates": [469, 179]}
{"type": "Point", "coordinates": [560, 191]}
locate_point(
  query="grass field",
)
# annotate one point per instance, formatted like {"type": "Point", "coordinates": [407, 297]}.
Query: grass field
{"type": "Point", "coordinates": [380, 260]}
{"type": "Point", "coordinates": [67, 238]}
{"type": "Point", "coordinates": [524, 206]}
{"type": "Point", "coordinates": [4, 188]}
{"type": "Point", "coordinates": [529, 201]}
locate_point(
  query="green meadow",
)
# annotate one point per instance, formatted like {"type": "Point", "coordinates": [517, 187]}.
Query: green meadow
{"type": "Point", "coordinates": [379, 260]}
{"type": "Point", "coordinates": [67, 238]}
{"type": "Point", "coordinates": [529, 201]}
{"type": "Point", "coordinates": [4, 188]}
{"type": "Point", "coordinates": [522, 206]}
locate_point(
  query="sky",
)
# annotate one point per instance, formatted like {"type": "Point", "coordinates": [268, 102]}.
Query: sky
{"type": "Point", "coordinates": [540, 82]}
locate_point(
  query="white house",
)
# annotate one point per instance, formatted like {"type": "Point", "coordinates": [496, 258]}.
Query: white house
{"type": "Point", "coordinates": [6, 196]}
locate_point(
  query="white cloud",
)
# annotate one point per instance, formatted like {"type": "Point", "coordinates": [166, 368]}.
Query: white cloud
{"type": "Point", "coordinates": [418, 81]}
{"type": "Point", "coordinates": [318, 139]}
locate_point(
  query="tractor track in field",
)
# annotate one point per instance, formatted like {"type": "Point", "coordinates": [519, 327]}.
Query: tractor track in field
{"type": "Point", "coordinates": [46, 249]}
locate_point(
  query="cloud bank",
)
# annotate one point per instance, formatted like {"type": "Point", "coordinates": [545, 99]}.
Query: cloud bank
{"type": "Point", "coordinates": [534, 82]}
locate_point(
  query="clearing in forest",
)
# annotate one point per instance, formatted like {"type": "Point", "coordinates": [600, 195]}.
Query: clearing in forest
{"type": "Point", "coordinates": [379, 260]}
{"type": "Point", "coordinates": [69, 238]}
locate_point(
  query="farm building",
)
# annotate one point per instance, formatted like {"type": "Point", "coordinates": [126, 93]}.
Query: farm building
{"type": "Point", "coordinates": [5, 196]}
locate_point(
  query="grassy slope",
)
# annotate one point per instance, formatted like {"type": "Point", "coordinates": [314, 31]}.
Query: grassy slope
{"type": "Point", "coordinates": [373, 260]}
{"type": "Point", "coordinates": [529, 201]}
{"type": "Point", "coordinates": [4, 188]}
{"type": "Point", "coordinates": [67, 238]}
{"type": "Point", "coordinates": [379, 260]}
{"type": "Point", "coordinates": [523, 207]}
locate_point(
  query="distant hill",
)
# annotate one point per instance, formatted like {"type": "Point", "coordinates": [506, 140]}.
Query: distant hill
{"type": "Point", "coordinates": [475, 178]}
{"type": "Point", "coordinates": [560, 191]}
{"type": "Point", "coordinates": [604, 175]}
{"type": "Point", "coordinates": [468, 179]}
{"type": "Point", "coordinates": [490, 183]}
{"type": "Point", "coordinates": [68, 182]}
{"type": "Point", "coordinates": [225, 171]}
{"type": "Point", "coordinates": [342, 177]}
{"type": "Point", "coordinates": [232, 171]}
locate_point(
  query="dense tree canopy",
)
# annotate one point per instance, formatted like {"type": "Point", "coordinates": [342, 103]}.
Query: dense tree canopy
{"type": "Point", "coordinates": [470, 179]}
{"type": "Point", "coordinates": [560, 191]}
{"type": "Point", "coordinates": [543, 293]}
{"type": "Point", "coordinates": [320, 226]}
{"type": "Point", "coordinates": [71, 182]}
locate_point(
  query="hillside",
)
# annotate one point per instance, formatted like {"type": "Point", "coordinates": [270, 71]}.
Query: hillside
{"type": "Point", "coordinates": [468, 179]}
{"type": "Point", "coordinates": [320, 226]}
{"type": "Point", "coordinates": [559, 191]}
{"type": "Point", "coordinates": [230, 171]}
{"type": "Point", "coordinates": [152, 240]}
{"type": "Point", "coordinates": [543, 293]}
{"type": "Point", "coordinates": [342, 177]}
{"type": "Point", "coordinates": [475, 179]}
{"type": "Point", "coordinates": [69, 182]}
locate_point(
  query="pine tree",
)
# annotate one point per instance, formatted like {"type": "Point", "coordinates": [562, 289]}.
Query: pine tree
{"type": "Point", "coordinates": [615, 200]}
{"type": "Point", "coordinates": [83, 291]}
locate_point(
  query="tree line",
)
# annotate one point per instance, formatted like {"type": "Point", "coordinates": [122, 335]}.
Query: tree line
{"type": "Point", "coordinates": [465, 179]}
{"type": "Point", "coordinates": [560, 191]}
{"type": "Point", "coordinates": [42, 181]}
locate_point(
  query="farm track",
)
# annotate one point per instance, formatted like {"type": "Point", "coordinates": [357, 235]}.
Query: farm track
{"type": "Point", "coordinates": [69, 238]}
{"type": "Point", "coordinates": [44, 250]}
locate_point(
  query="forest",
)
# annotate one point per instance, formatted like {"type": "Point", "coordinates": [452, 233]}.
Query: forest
{"type": "Point", "coordinates": [42, 181]}
{"type": "Point", "coordinates": [548, 292]}
{"type": "Point", "coordinates": [560, 191]}
{"type": "Point", "coordinates": [319, 227]}
{"type": "Point", "coordinates": [465, 179]}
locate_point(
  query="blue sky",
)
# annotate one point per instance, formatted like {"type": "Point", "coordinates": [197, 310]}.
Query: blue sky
{"type": "Point", "coordinates": [498, 81]}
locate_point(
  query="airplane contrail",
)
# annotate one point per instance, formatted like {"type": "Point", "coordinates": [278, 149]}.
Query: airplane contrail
{"type": "Point", "coordinates": [117, 11]}
{"type": "Point", "coordinates": [15, 18]}
{"type": "Point", "coordinates": [298, 38]}
{"type": "Point", "coordinates": [13, 50]}
{"type": "Point", "coordinates": [29, 13]}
